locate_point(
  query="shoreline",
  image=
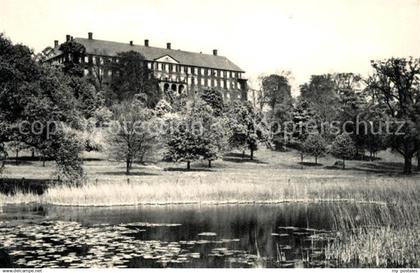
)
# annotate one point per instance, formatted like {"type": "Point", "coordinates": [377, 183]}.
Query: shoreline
{"type": "Point", "coordinates": [205, 203]}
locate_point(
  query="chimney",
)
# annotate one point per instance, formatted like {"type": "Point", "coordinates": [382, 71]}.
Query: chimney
{"type": "Point", "coordinates": [55, 43]}
{"type": "Point", "coordinates": [131, 43]}
{"type": "Point", "coordinates": [146, 43]}
{"type": "Point", "coordinates": [215, 52]}
{"type": "Point", "coordinates": [90, 35]}
{"type": "Point", "coordinates": [168, 45]}
{"type": "Point", "coordinates": [67, 38]}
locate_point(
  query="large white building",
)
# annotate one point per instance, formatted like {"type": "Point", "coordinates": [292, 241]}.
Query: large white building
{"type": "Point", "coordinates": [177, 70]}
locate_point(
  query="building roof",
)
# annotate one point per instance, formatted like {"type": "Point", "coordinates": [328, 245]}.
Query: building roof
{"type": "Point", "coordinates": [109, 48]}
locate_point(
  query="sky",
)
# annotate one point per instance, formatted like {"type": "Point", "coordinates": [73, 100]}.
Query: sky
{"type": "Point", "coordinates": [306, 37]}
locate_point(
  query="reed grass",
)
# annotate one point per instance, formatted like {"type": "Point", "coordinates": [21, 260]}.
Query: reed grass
{"type": "Point", "coordinates": [386, 237]}
{"type": "Point", "coordinates": [219, 188]}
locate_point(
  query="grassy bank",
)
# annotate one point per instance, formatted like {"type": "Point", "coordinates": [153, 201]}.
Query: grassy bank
{"type": "Point", "coordinates": [273, 177]}
{"type": "Point", "coordinates": [387, 237]}
{"type": "Point", "coordinates": [222, 188]}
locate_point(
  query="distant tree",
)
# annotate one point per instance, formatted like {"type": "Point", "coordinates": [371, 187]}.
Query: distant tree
{"type": "Point", "coordinates": [67, 156]}
{"type": "Point", "coordinates": [281, 117]}
{"type": "Point", "coordinates": [46, 150]}
{"type": "Point", "coordinates": [305, 122]}
{"type": "Point", "coordinates": [395, 84]}
{"type": "Point", "coordinates": [275, 90]}
{"type": "Point", "coordinates": [98, 71]}
{"type": "Point", "coordinates": [88, 100]}
{"type": "Point", "coordinates": [215, 132]}
{"type": "Point", "coordinates": [315, 146]}
{"type": "Point", "coordinates": [321, 93]}
{"type": "Point", "coordinates": [184, 146]}
{"type": "Point", "coordinates": [343, 148]}
{"type": "Point", "coordinates": [73, 53]}
{"type": "Point", "coordinates": [44, 54]}
{"type": "Point", "coordinates": [243, 122]}
{"type": "Point", "coordinates": [352, 107]}
{"type": "Point", "coordinates": [372, 134]}
{"type": "Point", "coordinates": [345, 82]}
{"type": "Point", "coordinates": [197, 134]}
{"type": "Point", "coordinates": [132, 77]}
{"type": "Point", "coordinates": [214, 98]}
{"type": "Point", "coordinates": [129, 137]}
{"type": "Point", "coordinates": [16, 147]}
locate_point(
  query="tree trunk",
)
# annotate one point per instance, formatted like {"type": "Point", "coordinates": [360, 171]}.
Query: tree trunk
{"type": "Point", "coordinates": [209, 163]}
{"type": "Point", "coordinates": [344, 163]}
{"type": "Point", "coordinates": [127, 170]}
{"type": "Point", "coordinates": [252, 154]}
{"type": "Point", "coordinates": [418, 160]}
{"type": "Point", "coordinates": [243, 154]}
{"type": "Point", "coordinates": [33, 153]}
{"type": "Point", "coordinates": [301, 157]}
{"type": "Point", "coordinates": [188, 165]}
{"type": "Point", "coordinates": [43, 161]}
{"type": "Point", "coordinates": [407, 164]}
{"type": "Point", "coordinates": [17, 155]}
{"type": "Point", "coordinates": [316, 160]}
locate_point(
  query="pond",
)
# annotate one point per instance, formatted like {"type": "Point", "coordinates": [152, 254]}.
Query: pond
{"type": "Point", "coordinates": [282, 235]}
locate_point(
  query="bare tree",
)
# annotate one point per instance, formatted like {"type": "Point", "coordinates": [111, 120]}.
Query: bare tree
{"type": "Point", "coordinates": [129, 138]}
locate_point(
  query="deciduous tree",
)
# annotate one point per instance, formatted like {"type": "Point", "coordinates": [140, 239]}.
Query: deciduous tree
{"type": "Point", "coordinates": [315, 146]}
{"type": "Point", "coordinates": [34, 94]}
{"type": "Point", "coordinates": [243, 121]}
{"type": "Point", "coordinates": [395, 83]}
{"type": "Point", "coordinates": [132, 77]}
{"type": "Point", "coordinates": [130, 136]}
{"type": "Point", "coordinates": [275, 90]}
{"type": "Point", "coordinates": [343, 148]}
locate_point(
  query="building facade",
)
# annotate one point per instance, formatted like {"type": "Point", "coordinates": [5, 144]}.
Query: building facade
{"type": "Point", "coordinates": [179, 71]}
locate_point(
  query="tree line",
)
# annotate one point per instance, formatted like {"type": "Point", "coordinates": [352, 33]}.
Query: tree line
{"type": "Point", "coordinates": [381, 111]}
{"type": "Point", "coordinates": [202, 127]}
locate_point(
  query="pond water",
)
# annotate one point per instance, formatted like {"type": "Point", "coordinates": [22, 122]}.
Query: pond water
{"type": "Point", "coordinates": [283, 235]}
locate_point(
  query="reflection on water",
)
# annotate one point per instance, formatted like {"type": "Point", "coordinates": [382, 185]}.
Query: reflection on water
{"type": "Point", "coordinates": [286, 235]}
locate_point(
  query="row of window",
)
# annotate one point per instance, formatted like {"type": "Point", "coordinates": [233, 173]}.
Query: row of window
{"type": "Point", "coordinates": [174, 68]}
{"type": "Point", "coordinates": [225, 84]}
{"type": "Point", "coordinates": [190, 70]}
{"type": "Point", "coordinates": [208, 82]}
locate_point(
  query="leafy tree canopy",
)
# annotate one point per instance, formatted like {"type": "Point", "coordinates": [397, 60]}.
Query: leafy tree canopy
{"type": "Point", "coordinates": [131, 77]}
